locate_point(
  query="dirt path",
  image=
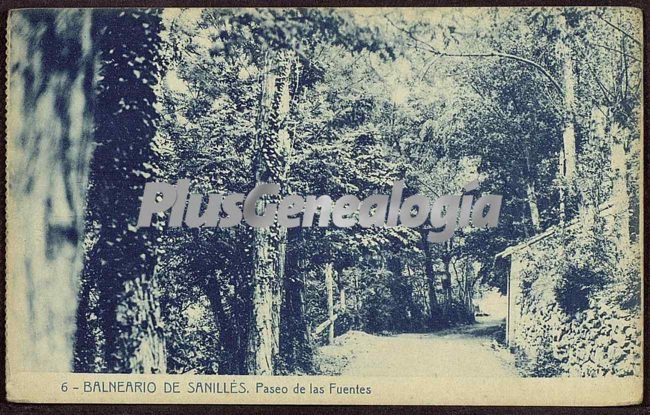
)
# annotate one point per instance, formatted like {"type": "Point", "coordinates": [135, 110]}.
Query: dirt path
{"type": "Point", "coordinates": [460, 352]}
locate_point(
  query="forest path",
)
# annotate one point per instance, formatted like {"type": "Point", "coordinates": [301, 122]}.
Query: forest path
{"type": "Point", "coordinates": [458, 352]}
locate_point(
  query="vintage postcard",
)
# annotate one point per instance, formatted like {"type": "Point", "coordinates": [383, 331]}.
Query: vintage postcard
{"type": "Point", "coordinates": [325, 206]}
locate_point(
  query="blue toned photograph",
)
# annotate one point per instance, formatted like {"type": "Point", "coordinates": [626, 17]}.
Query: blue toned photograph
{"type": "Point", "coordinates": [354, 193]}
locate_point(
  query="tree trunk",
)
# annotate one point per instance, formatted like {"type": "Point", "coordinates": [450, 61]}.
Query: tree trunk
{"type": "Point", "coordinates": [568, 154]}
{"type": "Point", "coordinates": [620, 195]}
{"type": "Point", "coordinates": [227, 326]}
{"type": "Point", "coordinates": [358, 325]}
{"type": "Point", "coordinates": [274, 142]}
{"type": "Point", "coordinates": [147, 353]}
{"type": "Point", "coordinates": [85, 345]}
{"type": "Point", "coordinates": [404, 308]}
{"type": "Point", "coordinates": [259, 359]}
{"type": "Point", "coordinates": [446, 286]}
{"type": "Point", "coordinates": [241, 306]}
{"type": "Point", "coordinates": [568, 84]}
{"type": "Point", "coordinates": [278, 290]}
{"type": "Point", "coordinates": [125, 269]}
{"type": "Point", "coordinates": [531, 196]}
{"type": "Point", "coordinates": [431, 283]}
{"type": "Point", "coordinates": [569, 134]}
{"type": "Point", "coordinates": [132, 325]}
{"type": "Point", "coordinates": [49, 136]}
{"type": "Point", "coordinates": [295, 340]}
{"type": "Point", "coordinates": [532, 204]}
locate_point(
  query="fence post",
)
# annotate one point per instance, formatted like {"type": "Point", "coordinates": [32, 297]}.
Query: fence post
{"type": "Point", "coordinates": [329, 284]}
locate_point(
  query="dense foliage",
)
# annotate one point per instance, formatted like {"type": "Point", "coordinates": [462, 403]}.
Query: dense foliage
{"type": "Point", "coordinates": [321, 101]}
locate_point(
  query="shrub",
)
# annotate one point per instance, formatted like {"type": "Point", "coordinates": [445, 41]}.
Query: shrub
{"type": "Point", "coordinates": [575, 287]}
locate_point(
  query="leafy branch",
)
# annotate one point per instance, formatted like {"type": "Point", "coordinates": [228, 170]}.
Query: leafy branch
{"type": "Point", "coordinates": [492, 54]}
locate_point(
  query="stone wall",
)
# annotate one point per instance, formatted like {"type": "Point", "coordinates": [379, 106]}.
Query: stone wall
{"type": "Point", "coordinates": [603, 338]}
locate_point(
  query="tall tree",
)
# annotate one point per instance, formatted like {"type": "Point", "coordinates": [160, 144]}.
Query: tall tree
{"type": "Point", "coordinates": [122, 263]}
{"type": "Point", "coordinates": [50, 111]}
{"type": "Point", "coordinates": [279, 79]}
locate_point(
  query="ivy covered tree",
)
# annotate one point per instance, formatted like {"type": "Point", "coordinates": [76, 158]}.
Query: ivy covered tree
{"type": "Point", "coordinates": [120, 316]}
